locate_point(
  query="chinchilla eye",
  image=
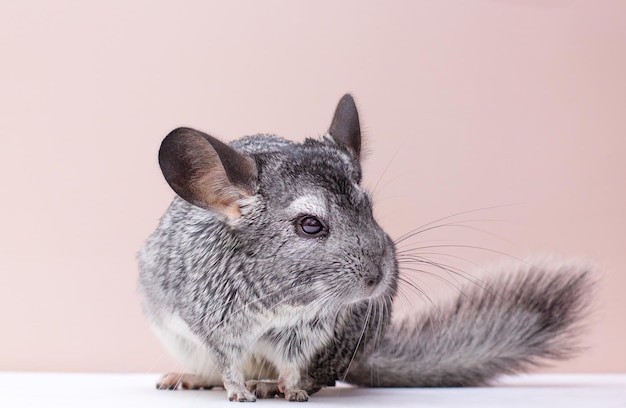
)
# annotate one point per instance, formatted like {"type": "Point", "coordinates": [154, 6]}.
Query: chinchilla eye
{"type": "Point", "coordinates": [310, 226]}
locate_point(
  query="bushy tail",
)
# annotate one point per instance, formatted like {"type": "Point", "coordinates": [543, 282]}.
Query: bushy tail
{"type": "Point", "coordinates": [524, 318]}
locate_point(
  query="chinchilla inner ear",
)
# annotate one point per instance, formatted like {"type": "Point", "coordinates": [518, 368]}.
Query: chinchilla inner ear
{"type": "Point", "coordinates": [206, 172]}
{"type": "Point", "coordinates": [345, 128]}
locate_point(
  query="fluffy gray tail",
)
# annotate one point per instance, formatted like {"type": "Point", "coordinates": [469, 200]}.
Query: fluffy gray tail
{"type": "Point", "coordinates": [521, 320]}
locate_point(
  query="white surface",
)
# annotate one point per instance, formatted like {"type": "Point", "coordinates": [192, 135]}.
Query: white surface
{"type": "Point", "coordinates": [138, 390]}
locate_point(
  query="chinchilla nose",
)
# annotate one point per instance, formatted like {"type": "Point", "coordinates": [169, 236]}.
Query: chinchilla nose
{"type": "Point", "coordinates": [373, 278]}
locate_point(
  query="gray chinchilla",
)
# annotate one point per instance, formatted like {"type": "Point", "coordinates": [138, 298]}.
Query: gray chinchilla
{"type": "Point", "coordinates": [268, 275]}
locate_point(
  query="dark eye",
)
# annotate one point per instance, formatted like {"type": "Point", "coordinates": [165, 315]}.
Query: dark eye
{"type": "Point", "coordinates": [310, 226]}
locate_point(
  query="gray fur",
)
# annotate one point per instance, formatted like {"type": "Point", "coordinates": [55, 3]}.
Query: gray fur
{"type": "Point", "coordinates": [526, 316]}
{"type": "Point", "coordinates": [239, 293]}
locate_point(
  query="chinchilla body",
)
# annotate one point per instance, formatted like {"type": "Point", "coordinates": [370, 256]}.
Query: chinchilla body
{"type": "Point", "coordinates": [269, 275]}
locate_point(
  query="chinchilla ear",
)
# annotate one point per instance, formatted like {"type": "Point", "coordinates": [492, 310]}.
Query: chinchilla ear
{"type": "Point", "coordinates": [345, 128]}
{"type": "Point", "coordinates": [206, 172]}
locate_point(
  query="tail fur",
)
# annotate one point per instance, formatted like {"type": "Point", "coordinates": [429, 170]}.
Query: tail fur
{"type": "Point", "coordinates": [523, 319]}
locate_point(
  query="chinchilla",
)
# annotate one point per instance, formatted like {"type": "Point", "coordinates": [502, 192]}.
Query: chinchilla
{"type": "Point", "coordinates": [268, 275]}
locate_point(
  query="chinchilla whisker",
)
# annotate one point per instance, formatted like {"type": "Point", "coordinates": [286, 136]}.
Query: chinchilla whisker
{"type": "Point", "coordinates": [376, 203]}
{"type": "Point", "coordinates": [411, 247]}
{"type": "Point", "coordinates": [413, 259]}
{"type": "Point", "coordinates": [445, 255]}
{"type": "Point", "coordinates": [456, 224]}
{"type": "Point", "coordinates": [401, 291]}
{"type": "Point", "coordinates": [356, 348]}
{"type": "Point", "coordinates": [403, 237]}
{"type": "Point", "coordinates": [460, 246]}
{"type": "Point", "coordinates": [451, 270]}
{"type": "Point", "coordinates": [439, 277]}
{"type": "Point", "coordinates": [381, 318]}
{"type": "Point", "coordinates": [487, 290]}
{"type": "Point", "coordinates": [406, 265]}
{"type": "Point", "coordinates": [419, 257]}
{"type": "Point", "coordinates": [410, 285]}
{"type": "Point", "coordinates": [389, 163]}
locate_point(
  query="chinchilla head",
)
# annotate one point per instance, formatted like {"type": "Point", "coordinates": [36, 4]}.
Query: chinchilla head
{"type": "Point", "coordinates": [296, 218]}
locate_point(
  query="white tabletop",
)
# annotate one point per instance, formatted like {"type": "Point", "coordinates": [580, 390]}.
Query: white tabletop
{"type": "Point", "coordinates": [53, 390]}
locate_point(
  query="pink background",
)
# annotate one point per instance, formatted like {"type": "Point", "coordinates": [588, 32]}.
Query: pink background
{"type": "Point", "coordinates": [464, 104]}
